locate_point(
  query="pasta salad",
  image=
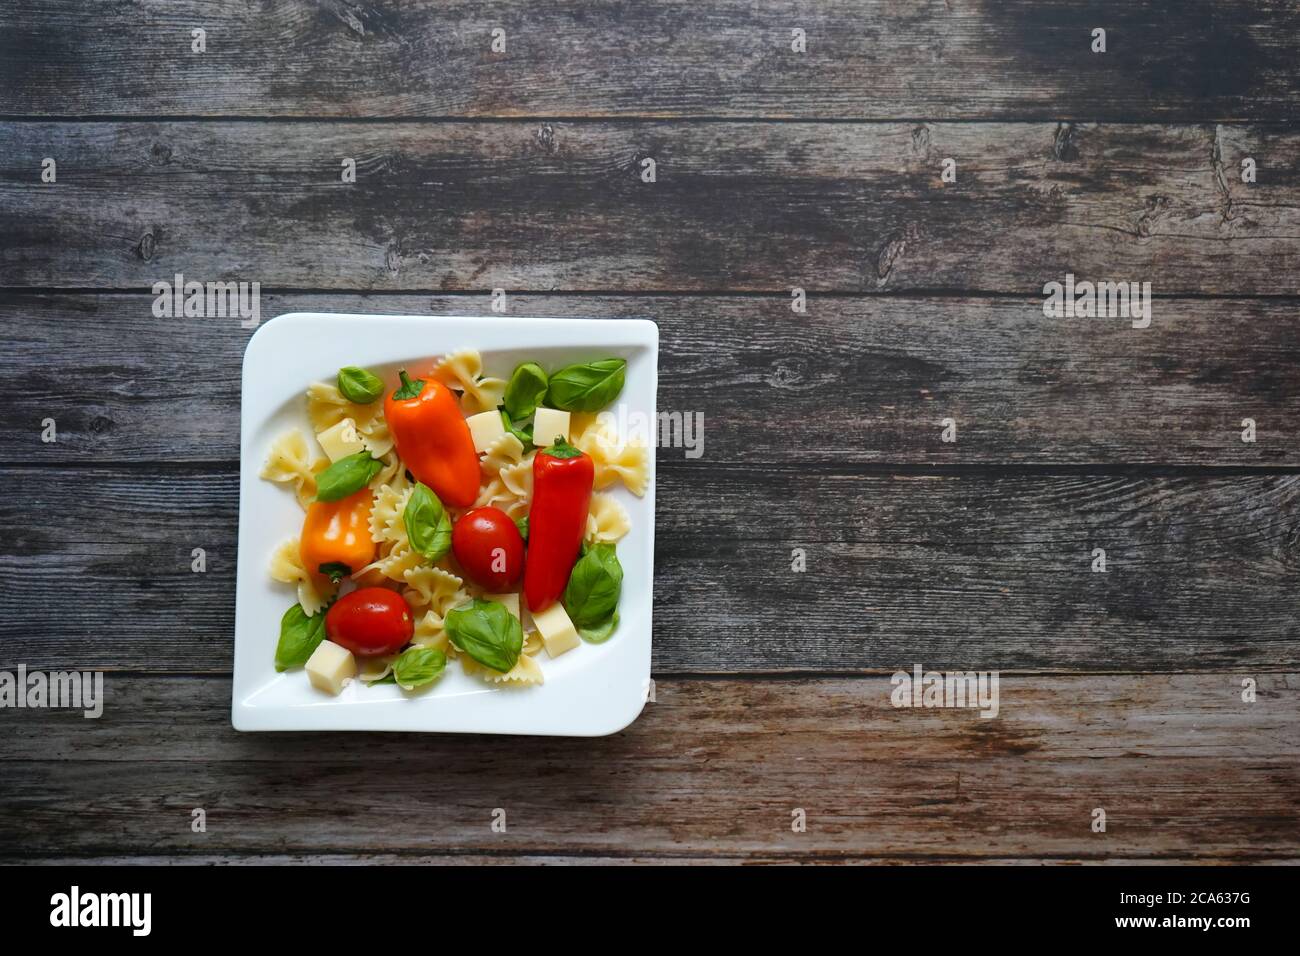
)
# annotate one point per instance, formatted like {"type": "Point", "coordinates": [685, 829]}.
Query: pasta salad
{"type": "Point", "coordinates": [453, 516]}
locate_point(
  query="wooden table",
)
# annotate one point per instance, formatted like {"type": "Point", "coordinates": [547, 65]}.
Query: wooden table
{"type": "Point", "coordinates": [774, 169]}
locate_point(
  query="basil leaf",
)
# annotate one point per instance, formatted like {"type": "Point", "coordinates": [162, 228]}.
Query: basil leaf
{"type": "Point", "coordinates": [359, 385]}
{"type": "Point", "coordinates": [588, 387]}
{"type": "Point", "coordinates": [300, 634]}
{"type": "Point", "coordinates": [418, 666]}
{"type": "Point", "coordinates": [525, 435]}
{"type": "Point", "coordinates": [522, 525]}
{"type": "Point", "coordinates": [410, 388]}
{"type": "Point", "coordinates": [601, 632]}
{"type": "Point", "coordinates": [526, 390]}
{"type": "Point", "coordinates": [335, 570]}
{"type": "Point", "coordinates": [386, 679]}
{"type": "Point", "coordinates": [427, 523]}
{"type": "Point", "coordinates": [594, 586]}
{"type": "Point", "coordinates": [347, 476]}
{"type": "Point", "coordinates": [487, 632]}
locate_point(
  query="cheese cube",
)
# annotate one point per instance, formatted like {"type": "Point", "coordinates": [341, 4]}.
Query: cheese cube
{"type": "Point", "coordinates": [547, 423]}
{"type": "Point", "coordinates": [558, 633]}
{"type": "Point", "coordinates": [485, 427]}
{"type": "Point", "coordinates": [331, 667]}
{"type": "Point", "coordinates": [511, 601]}
{"type": "Point", "coordinates": [341, 440]}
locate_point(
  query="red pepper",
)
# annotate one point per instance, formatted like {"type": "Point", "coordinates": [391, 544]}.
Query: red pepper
{"type": "Point", "coordinates": [431, 436]}
{"type": "Point", "coordinates": [557, 521]}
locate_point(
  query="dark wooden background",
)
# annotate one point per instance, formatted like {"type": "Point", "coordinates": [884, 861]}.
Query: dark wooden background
{"type": "Point", "coordinates": [775, 169]}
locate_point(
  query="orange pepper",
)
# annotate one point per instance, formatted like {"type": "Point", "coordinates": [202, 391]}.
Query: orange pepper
{"type": "Point", "coordinates": [338, 532]}
{"type": "Point", "coordinates": [433, 439]}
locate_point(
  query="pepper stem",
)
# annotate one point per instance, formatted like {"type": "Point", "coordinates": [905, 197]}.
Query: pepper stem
{"type": "Point", "coordinates": [562, 449]}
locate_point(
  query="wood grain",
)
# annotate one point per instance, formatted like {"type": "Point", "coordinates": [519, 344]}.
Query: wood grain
{"type": "Point", "coordinates": [1180, 764]}
{"type": "Point", "coordinates": [990, 571]}
{"type": "Point", "coordinates": [867, 380]}
{"type": "Point", "coordinates": [969, 59]}
{"type": "Point", "coordinates": [736, 206]}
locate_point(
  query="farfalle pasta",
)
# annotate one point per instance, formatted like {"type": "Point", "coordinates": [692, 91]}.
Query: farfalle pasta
{"type": "Point", "coordinates": [452, 515]}
{"type": "Point", "coordinates": [463, 370]}
{"type": "Point", "coordinates": [290, 462]}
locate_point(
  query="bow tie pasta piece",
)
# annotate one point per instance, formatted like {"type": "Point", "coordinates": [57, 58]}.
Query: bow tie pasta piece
{"type": "Point", "coordinates": [430, 632]}
{"type": "Point", "coordinates": [628, 462]}
{"type": "Point", "coordinates": [377, 438]}
{"type": "Point", "coordinates": [525, 671]}
{"type": "Point", "coordinates": [286, 567]}
{"type": "Point", "coordinates": [290, 462]}
{"type": "Point", "coordinates": [392, 566]}
{"type": "Point", "coordinates": [375, 668]}
{"type": "Point", "coordinates": [433, 588]}
{"type": "Point", "coordinates": [326, 407]}
{"type": "Point", "coordinates": [504, 451]}
{"type": "Point", "coordinates": [495, 494]}
{"type": "Point", "coordinates": [463, 370]}
{"type": "Point", "coordinates": [608, 520]}
{"type": "Point", "coordinates": [386, 523]}
{"type": "Point", "coordinates": [591, 423]}
{"type": "Point", "coordinates": [518, 478]}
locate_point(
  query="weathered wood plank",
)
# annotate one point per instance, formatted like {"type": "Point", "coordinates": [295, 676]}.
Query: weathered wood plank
{"type": "Point", "coordinates": [867, 380]}
{"type": "Point", "coordinates": [1040, 717]}
{"type": "Point", "coordinates": [185, 858]}
{"type": "Point", "coordinates": [1182, 766]}
{"type": "Point", "coordinates": [954, 570]}
{"type": "Point", "coordinates": [974, 59]}
{"type": "Point", "coordinates": [736, 206]}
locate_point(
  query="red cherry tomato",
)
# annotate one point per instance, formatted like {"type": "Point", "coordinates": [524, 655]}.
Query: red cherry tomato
{"type": "Point", "coordinates": [488, 546]}
{"type": "Point", "coordinates": [370, 622]}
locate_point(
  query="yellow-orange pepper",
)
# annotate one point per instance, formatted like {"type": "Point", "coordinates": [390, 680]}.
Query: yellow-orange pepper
{"type": "Point", "coordinates": [338, 532]}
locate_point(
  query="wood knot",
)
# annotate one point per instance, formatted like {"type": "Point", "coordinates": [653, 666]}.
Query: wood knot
{"type": "Point", "coordinates": [789, 372]}
{"type": "Point", "coordinates": [889, 254]}
{"type": "Point", "coordinates": [546, 137]}
{"type": "Point", "coordinates": [146, 246]}
{"type": "Point", "coordinates": [162, 154]}
{"type": "Point", "coordinates": [1155, 206]}
{"type": "Point", "coordinates": [1063, 147]}
{"type": "Point", "coordinates": [921, 141]}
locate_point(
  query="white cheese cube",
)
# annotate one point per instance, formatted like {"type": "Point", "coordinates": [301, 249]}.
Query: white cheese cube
{"type": "Point", "coordinates": [547, 423]}
{"type": "Point", "coordinates": [558, 633]}
{"type": "Point", "coordinates": [511, 601]}
{"type": "Point", "coordinates": [330, 667]}
{"type": "Point", "coordinates": [485, 427]}
{"type": "Point", "coordinates": [341, 440]}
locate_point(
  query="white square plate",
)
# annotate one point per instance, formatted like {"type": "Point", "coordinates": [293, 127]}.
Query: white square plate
{"type": "Point", "coordinates": [593, 690]}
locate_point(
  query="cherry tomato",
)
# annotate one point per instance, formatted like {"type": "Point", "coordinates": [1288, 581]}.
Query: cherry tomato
{"type": "Point", "coordinates": [488, 546]}
{"type": "Point", "coordinates": [370, 622]}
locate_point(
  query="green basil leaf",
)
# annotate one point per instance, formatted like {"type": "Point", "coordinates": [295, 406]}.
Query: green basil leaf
{"type": "Point", "coordinates": [427, 523]}
{"type": "Point", "coordinates": [388, 678]}
{"type": "Point", "coordinates": [522, 525]}
{"type": "Point", "coordinates": [588, 387]}
{"type": "Point", "coordinates": [300, 634]}
{"type": "Point", "coordinates": [410, 388]}
{"type": "Point", "coordinates": [487, 632]}
{"type": "Point", "coordinates": [526, 390]}
{"type": "Point", "coordinates": [594, 586]}
{"type": "Point", "coordinates": [359, 385]}
{"type": "Point", "coordinates": [525, 435]}
{"type": "Point", "coordinates": [347, 476]}
{"type": "Point", "coordinates": [335, 570]}
{"type": "Point", "coordinates": [601, 632]}
{"type": "Point", "coordinates": [418, 666]}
